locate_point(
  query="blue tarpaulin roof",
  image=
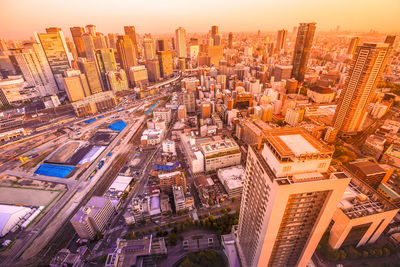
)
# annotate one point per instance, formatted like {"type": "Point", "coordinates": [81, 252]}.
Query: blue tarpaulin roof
{"type": "Point", "coordinates": [99, 117]}
{"type": "Point", "coordinates": [167, 167]}
{"type": "Point", "coordinates": [117, 126]}
{"type": "Point", "coordinates": [53, 170]}
{"type": "Point", "coordinates": [90, 120]}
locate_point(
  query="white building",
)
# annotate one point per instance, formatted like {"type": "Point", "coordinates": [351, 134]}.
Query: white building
{"type": "Point", "coordinates": [192, 153]}
{"type": "Point", "coordinates": [220, 153]}
{"type": "Point", "coordinates": [232, 180]}
{"type": "Point", "coordinates": [168, 146]}
{"type": "Point", "coordinates": [152, 136]}
{"type": "Point", "coordinates": [11, 216]}
{"type": "Point", "coordinates": [180, 35]}
{"type": "Point", "coordinates": [179, 198]}
{"type": "Point", "coordinates": [163, 114]}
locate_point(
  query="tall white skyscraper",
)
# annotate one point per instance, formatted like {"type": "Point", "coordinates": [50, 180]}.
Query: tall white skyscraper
{"type": "Point", "coordinates": [180, 34]}
{"type": "Point", "coordinates": [288, 198]}
{"type": "Point", "coordinates": [35, 68]}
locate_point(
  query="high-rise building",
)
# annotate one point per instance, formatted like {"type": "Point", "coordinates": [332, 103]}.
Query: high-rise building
{"type": "Point", "coordinates": [89, 68]}
{"type": "Point", "coordinates": [230, 40]}
{"type": "Point", "coordinates": [161, 45]}
{"type": "Point", "coordinates": [302, 50]}
{"type": "Point", "coordinates": [112, 39]}
{"type": "Point", "coordinates": [282, 72]}
{"type": "Point", "coordinates": [165, 61]}
{"type": "Point", "coordinates": [205, 110]}
{"type": "Point", "coordinates": [76, 86]}
{"type": "Point", "coordinates": [189, 100]}
{"type": "Point", "coordinates": [99, 41]}
{"type": "Point", "coordinates": [390, 39]}
{"type": "Point", "coordinates": [369, 61]}
{"type": "Point", "coordinates": [89, 46]}
{"type": "Point", "coordinates": [214, 31]}
{"type": "Point", "coordinates": [91, 29]}
{"type": "Point", "coordinates": [105, 60]}
{"type": "Point", "coordinates": [33, 64]}
{"type": "Point", "coordinates": [3, 45]}
{"type": "Point", "coordinates": [131, 32]}
{"type": "Point", "coordinates": [354, 42]}
{"type": "Point", "coordinates": [77, 33]}
{"type": "Point", "coordinates": [281, 40]}
{"type": "Point", "coordinates": [288, 198]}
{"type": "Point", "coordinates": [180, 35]}
{"type": "Point", "coordinates": [149, 49]}
{"type": "Point", "coordinates": [138, 76]}
{"type": "Point", "coordinates": [153, 70]}
{"type": "Point", "coordinates": [126, 52]}
{"type": "Point", "coordinates": [56, 51]}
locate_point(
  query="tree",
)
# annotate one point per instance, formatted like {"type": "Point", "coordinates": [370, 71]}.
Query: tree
{"type": "Point", "coordinates": [172, 239]}
{"type": "Point", "coordinates": [365, 254]}
{"type": "Point", "coordinates": [386, 252]}
{"type": "Point", "coordinates": [343, 254]}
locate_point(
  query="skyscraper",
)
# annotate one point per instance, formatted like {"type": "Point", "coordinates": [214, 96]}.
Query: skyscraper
{"type": "Point", "coordinates": [89, 68]}
{"type": "Point", "coordinates": [76, 33]}
{"type": "Point", "coordinates": [126, 52]}
{"type": "Point", "coordinates": [230, 40]}
{"type": "Point", "coordinates": [390, 39]}
{"type": "Point", "coordinates": [288, 198]}
{"type": "Point", "coordinates": [165, 60]}
{"type": "Point", "coordinates": [89, 46]}
{"type": "Point", "coordinates": [56, 51]}
{"type": "Point", "coordinates": [76, 86]}
{"type": "Point", "coordinates": [153, 70]}
{"type": "Point", "coordinates": [302, 49]}
{"type": "Point", "coordinates": [91, 29]}
{"type": "Point", "coordinates": [161, 45]}
{"type": "Point", "coordinates": [281, 40]}
{"type": "Point", "coordinates": [369, 61]}
{"type": "Point", "coordinates": [180, 34]}
{"type": "Point", "coordinates": [105, 62]}
{"type": "Point", "coordinates": [131, 32]}
{"type": "Point", "coordinates": [99, 41]}
{"type": "Point", "coordinates": [149, 49]}
{"type": "Point", "coordinates": [354, 42]}
{"type": "Point", "coordinates": [33, 64]}
{"type": "Point", "coordinates": [112, 39]}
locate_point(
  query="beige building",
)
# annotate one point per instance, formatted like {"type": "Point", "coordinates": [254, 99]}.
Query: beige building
{"type": "Point", "coordinates": [117, 80]}
{"type": "Point", "coordinates": [361, 216]}
{"type": "Point", "coordinates": [138, 76]}
{"type": "Point", "coordinates": [13, 90]}
{"type": "Point", "coordinates": [220, 153]}
{"type": "Point", "coordinates": [288, 199]}
{"type": "Point", "coordinates": [95, 103]}
{"type": "Point", "coordinates": [321, 94]}
{"type": "Point", "coordinates": [163, 114]}
{"type": "Point", "coordinates": [165, 61]}
{"type": "Point", "coordinates": [93, 217]}
{"type": "Point", "coordinates": [76, 86]}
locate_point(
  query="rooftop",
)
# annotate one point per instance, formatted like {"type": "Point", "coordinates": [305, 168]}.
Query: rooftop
{"type": "Point", "coordinates": [367, 167]}
{"type": "Point", "coordinates": [295, 142]}
{"type": "Point", "coordinates": [232, 176]}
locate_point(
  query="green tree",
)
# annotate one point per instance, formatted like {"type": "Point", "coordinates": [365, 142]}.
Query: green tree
{"type": "Point", "coordinates": [172, 239]}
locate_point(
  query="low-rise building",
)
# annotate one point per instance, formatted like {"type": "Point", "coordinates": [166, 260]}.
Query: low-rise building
{"type": "Point", "coordinates": [321, 94]}
{"type": "Point", "coordinates": [168, 180]}
{"type": "Point", "coordinates": [374, 146]}
{"type": "Point", "coordinates": [95, 103]}
{"type": "Point", "coordinates": [193, 154]}
{"type": "Point", "coordinates": [152, 136]}
{"type": "Point", "coordinates": [163, 114]}
{"type": "Point", "coordinates": [168, 147]}
{"type": "Point", "coordinates": [119, 188]}
{"type": "Point", "coordinates": [368, 171]}
{"type": "Point", "coordinates": [232, 180]}
{"type": "Point", "coordinates": [220, 153]}
{"type": "Point", "coordinates": [361, 217]}
{"type": "Point", "coordinates": [179, 198]}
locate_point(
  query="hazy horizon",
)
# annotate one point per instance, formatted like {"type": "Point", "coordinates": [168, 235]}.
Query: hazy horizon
{"type": "Point", "coordinates": [20, 18]}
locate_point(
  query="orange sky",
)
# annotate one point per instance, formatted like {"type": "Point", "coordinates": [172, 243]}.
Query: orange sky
{"type": "Point", "coordinates": [20, 18]}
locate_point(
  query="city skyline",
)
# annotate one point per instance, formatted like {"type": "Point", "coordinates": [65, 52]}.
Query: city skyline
{"type": "Point", "coordinates": [21, 20]}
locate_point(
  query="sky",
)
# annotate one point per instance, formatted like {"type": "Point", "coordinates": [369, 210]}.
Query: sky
{"type": "Point", "coordinates": [20, 18]}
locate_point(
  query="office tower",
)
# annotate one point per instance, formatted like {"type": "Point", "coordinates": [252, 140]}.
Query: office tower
{"type": "Point", "coordinates": [33, 65]}
{"type": "Point", "coordinates": [99, 41]}
{"type": "Point", "coordinates": [89, 46]}
{"type": "Point", "coordinates": [288, 198]}
{"type": "Point", "coordinates": [281, 40]}
{"type": "Point", "coordinates": [89, 68]}
{"type": "Point", "coordinates": [165, 61]}
{"type": "Point", "coordinates": [91, 29]}
{"type": "Point", "coordinates": [117, 80]}
{"type": "Point", "coordinates": [180, 34]}
{"type": "Point", "coordinates": [105, 62]}
{"type": "Point", "coordinates": [194, 41]}
{"type": "Point", "coordinates": [138, 76]}
{"type": "Point", "coordinates": [189, 100]}
{"type": "Point", "coordinates": [217, 39]}
{"type": "Point", "coordinates": [354, 42]}
{"type": "Point", "coordinates": [302, 50]}
{"type": "Point", "coordinates": [93, 217]}
{"type": "Point", "coordinates": [126, 52]}
{"type": "Point", "coordinates": [230, 40]}
{"type": "Point", "coordinates": [153, 70]}
{"type": "Point", "coordinates": [369, 61]}
{"type": "Point", "coordinates": [77, 33]}
{"type": "Point", "coordinates": [3, 45]}
{"type": "Point", "coordinates": [161, 45]}
{"type": "Point", "coordinates": [149, 49]}
{"type": "Point", "coordinates": [214, 31]}
{"type": "Point", "coordinates": [282, 72]}
{"type": "Point", "coordinates": [72, 49]}
{"type": "Point", "coordinates": [56, 51]}
{"type": "Point", "coordinates": [112, 39]}
{"type": "Point", "coordinates": [131, 32]}
{"type": "Point", "coordinates": [205, 110]}
{"type": "Point", "coordinates": [390, 39]}
{"type": "Point", "coordinates": [76, 86]}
